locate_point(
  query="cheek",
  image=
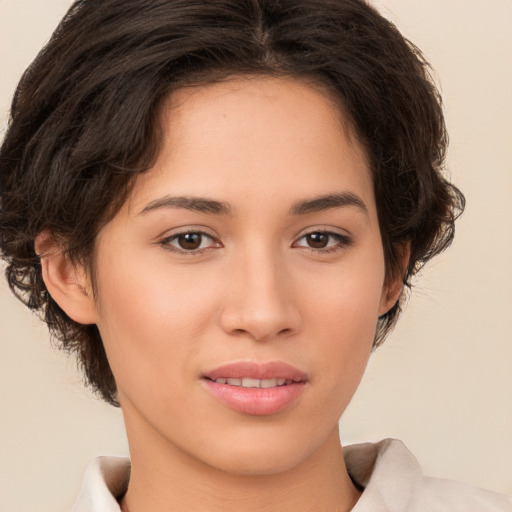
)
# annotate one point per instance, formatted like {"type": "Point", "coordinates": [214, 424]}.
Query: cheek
{"type": "Point", "coordinates": [342, 318]}
{"type": "Point", "coordinates": [151, 317]}
{"type": "Point", "coordinates": [347, 297]}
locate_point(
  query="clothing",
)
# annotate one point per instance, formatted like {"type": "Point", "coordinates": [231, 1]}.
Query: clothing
{"type": "Point", "coordinates": [388, 472]}
{"type": "Point", "coordinates": [393, 482]}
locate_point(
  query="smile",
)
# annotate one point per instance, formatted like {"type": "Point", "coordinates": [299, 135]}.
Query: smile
{"type": "Point", "coordinates": [247, 382]}
{"type": "Point", "coordinates": [259, 389]}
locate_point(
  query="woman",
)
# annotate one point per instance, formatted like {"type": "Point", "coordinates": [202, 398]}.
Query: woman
{"type": "Point", "coordinates": [238, 195]}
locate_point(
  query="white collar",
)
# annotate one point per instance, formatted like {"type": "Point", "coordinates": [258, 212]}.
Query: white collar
{"type": "Point", "coordinates": [105, 479]}
{"type": "Point", "coordinates": [372, 466]}
{"type": "Point", "coordinates": [388, 472]}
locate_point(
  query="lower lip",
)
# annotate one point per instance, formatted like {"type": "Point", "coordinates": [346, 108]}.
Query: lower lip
{"type": "Point", "coordinates": [256, 401]}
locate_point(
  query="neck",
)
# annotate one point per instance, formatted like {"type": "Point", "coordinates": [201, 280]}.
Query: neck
{"type": "Point", "coordinates": [168, 479]}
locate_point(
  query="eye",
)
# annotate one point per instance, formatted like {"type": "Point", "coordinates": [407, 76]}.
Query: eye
{"type": "Point", "coordinates": [189, 241]}
{"type": "Point", "coordinates": [323, 241]}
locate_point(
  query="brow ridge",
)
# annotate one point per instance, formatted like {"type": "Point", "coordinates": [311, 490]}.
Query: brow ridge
{"type": "Point", "coordinates": [206, 205]}
{"type": "Point", "coordinates": [199, 204]}
{"type": "Point", "coordinates": [328, 201]}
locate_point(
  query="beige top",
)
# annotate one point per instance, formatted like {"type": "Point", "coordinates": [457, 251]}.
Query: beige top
{"type": "Point", "coordinates": [388, 472]}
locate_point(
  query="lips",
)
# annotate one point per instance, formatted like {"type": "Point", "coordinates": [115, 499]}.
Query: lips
{"type": "Point", "coordinates": [247, 382]}
{"type": "Point", "coordinates": [259, 389]}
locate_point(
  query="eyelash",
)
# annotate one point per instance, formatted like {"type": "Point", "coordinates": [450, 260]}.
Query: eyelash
{"type": "Point", "coordinates": [342, 242]}
{"type": "Point", "coordinates": [167, 243]}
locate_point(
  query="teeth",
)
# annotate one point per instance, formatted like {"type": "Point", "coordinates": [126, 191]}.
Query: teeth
{"type": "Point", "coordinates": [247, 382]}
{"type": "Point", "coordinates": [251, 383]}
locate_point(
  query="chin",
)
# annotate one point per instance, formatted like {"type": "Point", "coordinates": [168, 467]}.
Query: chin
{"type": "Point", "coordinates": [262, 454]}
{"type": "Point", "coordinates": [265, 462]}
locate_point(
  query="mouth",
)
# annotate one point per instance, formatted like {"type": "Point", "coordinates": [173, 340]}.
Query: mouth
{"type": "Point", "coordinates": [248, 382]}
{"type": "Point", "coordinates": [259, 389]}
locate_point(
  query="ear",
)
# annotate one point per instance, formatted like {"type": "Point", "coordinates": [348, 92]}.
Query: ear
{"type": "Point", "coordinates": [394, 285]}
{"type": "Point", "coordinates": [67, 282]}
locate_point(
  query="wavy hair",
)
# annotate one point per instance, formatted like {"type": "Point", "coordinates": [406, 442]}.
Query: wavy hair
{"type": "Point", "coordinates": [84, 124]}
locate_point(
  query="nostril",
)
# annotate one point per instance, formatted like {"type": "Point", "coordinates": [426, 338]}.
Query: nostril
{"type": "Point", "coordinates": [259, 336]}
{"type": "Point", "coordinates": [282, 333]}
{"type": "Point", "coordinates": [259, 317]}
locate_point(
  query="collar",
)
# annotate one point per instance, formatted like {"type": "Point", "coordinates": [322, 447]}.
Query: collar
{"type": "Point", "coordinates": [386, 470]}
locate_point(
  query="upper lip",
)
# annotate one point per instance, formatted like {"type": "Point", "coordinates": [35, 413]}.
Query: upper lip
{"type": "Point", "coordinates": [256, 370]}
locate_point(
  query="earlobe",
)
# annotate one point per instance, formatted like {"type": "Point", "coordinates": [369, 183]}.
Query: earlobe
{"type": "Point", "coordinates": [390, 296]}
{"type": "Point", "coordinates": [66, 281]}
{"type": "Point", "coordinates": [394, 285]}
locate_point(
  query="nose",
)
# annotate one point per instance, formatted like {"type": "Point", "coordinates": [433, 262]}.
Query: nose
{"type": "Point", "coordinates": [260, 300]}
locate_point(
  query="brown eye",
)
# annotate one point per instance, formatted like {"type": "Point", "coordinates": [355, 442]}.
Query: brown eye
{"type": "Point", "coordinates": [323, 241]}
{"type": "Point", "coordinates": [317, 240]}
{"type": "Point", "coordinates": [189, 241]}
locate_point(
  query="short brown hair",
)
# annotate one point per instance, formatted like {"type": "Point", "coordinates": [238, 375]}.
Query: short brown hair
{"type": "Point", "coordinates": [84, 123]}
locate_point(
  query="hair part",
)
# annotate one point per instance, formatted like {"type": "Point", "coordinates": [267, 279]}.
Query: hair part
{"type": "Point", "coordinates": [81, 131]}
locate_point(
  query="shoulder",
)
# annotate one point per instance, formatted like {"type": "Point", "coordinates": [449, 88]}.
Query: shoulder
{"type": "Point", "coordinates": [393, 481]}
{"type": "Point", "coordinates": [439, 495]}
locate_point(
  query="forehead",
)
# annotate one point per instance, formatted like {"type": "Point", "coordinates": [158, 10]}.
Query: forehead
{"type": "Point", "coordinates": [254, 137]}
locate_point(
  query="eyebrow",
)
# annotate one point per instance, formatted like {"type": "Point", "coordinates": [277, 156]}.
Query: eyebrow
{"type": "Point", "coordinates": [205, 205]}
{"type": "Point", "coordinates": [198, 204]}
{"type": "Point", "coordinates": [328, 201]}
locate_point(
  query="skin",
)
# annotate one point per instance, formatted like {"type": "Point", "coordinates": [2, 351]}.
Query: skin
{"type": "Point", "coordinates": [254, 289]}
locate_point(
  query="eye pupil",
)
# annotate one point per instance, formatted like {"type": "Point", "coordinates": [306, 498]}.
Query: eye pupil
{"type": "Point", "coordinates": [317, 240]}
{"type": "Point", "coordinates": [190, 241]}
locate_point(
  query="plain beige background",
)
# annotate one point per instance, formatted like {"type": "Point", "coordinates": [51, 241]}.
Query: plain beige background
{"type": "Point", "coordinates": [442, 383]}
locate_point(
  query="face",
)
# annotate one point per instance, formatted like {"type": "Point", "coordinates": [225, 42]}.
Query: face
{"type": "Point", "coordinates": [239, 286]}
